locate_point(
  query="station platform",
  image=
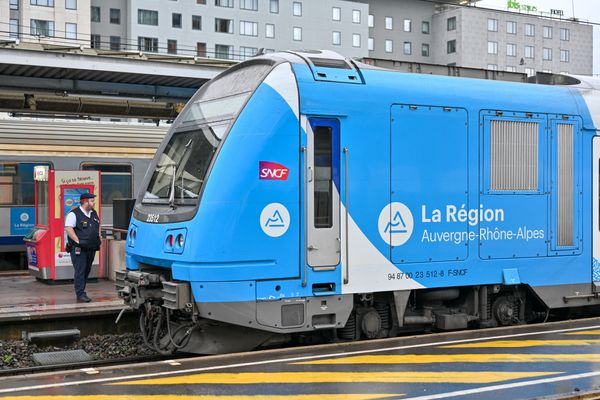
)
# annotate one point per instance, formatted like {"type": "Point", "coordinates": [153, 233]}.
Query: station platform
{"type": "Point", "coordinates": [22, 297]}
{"type": "Point", "coordinates": [557, 360]}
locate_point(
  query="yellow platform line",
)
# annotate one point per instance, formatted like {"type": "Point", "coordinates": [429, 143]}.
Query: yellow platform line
{"type": "Point", "coordinates": [340, 396]}
{"type": "Point", "coordinates": [593, 332]}
{"type": "Point", "coordinates": [455, 358]}
{"type": "Point", "coordinates": [340, 377]}
{"type": "Point", "coordinates": [522, 343]}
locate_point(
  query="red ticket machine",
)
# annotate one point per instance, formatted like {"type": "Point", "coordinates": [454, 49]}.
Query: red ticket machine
{"type": "Point", "coordinates": [56, 194]}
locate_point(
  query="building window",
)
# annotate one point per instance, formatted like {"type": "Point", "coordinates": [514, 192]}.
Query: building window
{"type": "Point", "coordinates": [530, 71]}
{"type": "Point", "coordinates": [370, 44]}
{"type": "Point", "coordinates": [201, 49]}
{"type": "Point", "coordinates": [71, 4]}
{"type": "Point", "coordinates": [14, 4]}
{"type": "Point", "coordinates": [224, 3]}
{"type": "Point", "coordinates": [425, 50]}
{"type": "Point", "coordinates": [407, 48]}
{"type": "Point", "coordinates": [42, 28]}
{"type": "Point", "coordinates": [43, 3]}
{"type": "Point", "coordinates": [148, 44]}
{"type": "Point", "coordinates": [14, 28]}
{"type": "Point", "coordinates": [248, 28]}
{"type": "Point", "coordinates": [511, 69]}
{"type": "Point", "coordinates": [407, 25]}
{"type": "Point", "coordinates": [492, 25]}
{"type": "Point", "coordinates": [511, 27]}
{"type": "Point", "coordinates": [70, 31]}
{"type": "Point", "coordinates": [115, 16]}
{"type": "Point", "coordinates": [223, 25]}
{"type": "Point", "coordinates": [270, 31]}
{"type": "Point", "coordinates": [172, 46]}
{"type": "Point", "coordinates": [492, 67]}
{"type": "Point", "coordinates": [115, 43]}
{"type": "Point", "coordinates": [251, 5]}
{"type": "Point", "coordinates": [565, 34]}
{"type": "Point", "coordinates": [274, 6]}
{"type": "Point", "coordinates": [389, 23]}
{"type": "Point", "coordinates": [371, 21]}
{"type": "Point", "coordinates": [336, 38]}
{"type": "Point", "coordinates": [565, 56]}
{"type": "Point", "coordinates": [547, 54]}
{"type": "Point", "coordinates": [548, 71]}
{"type": "Point", "coordinates": [95, 41]}
{"type": "Point", "coordinates": [529, 52]}
{"type": "Point", "coordinates": [247, 52]}
{"type": "Point", "coordinates": [425, 27]}
{"type": "Point", "coordinates": [196, 22]}
{"type": "Point", "coordinates": [147, 17]}
{"type": "Point", "coordinates": [336, 14]}
{"type": "Point", "coordinates": [356, 16]}
{"type": "Point", "coordinates": [355, 40]}
{"type": "Point", "coordinates": [389, 46]}
{"type": "Point", "coordinates": [223, 51]}
{"type": "Point", "coordinates": [492, 47]}
{"type": "Point", "coordinates": [451, 24]}
{"type": "Point", "coordinates": [176, 20]}
{"type": "Point", "coordinates": [200, 1]}
{"type": "Point", "coordinates": [297, 33]}
{"type": "Point", "coordinates": [95, 14]}
{"type": "Point", "coordinates": [511, 50]}
{"type": "Point", "coordinates": [529, 30]}
{"type": "Point", "coordinates": [297, 9]}
{"type": "Point", "coordinates": [116, 180]}
{"type": "Point", "coordinates": [451, 46]}
{"type": "Point", "coordinates": [547, 32]}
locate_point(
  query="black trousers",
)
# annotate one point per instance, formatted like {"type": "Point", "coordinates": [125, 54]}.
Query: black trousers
{"type": "Point", "coordinates": [83, 265]}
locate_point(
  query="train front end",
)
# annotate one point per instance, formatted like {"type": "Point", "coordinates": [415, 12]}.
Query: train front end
{"type": "Point", "coordinates": [219, 214]}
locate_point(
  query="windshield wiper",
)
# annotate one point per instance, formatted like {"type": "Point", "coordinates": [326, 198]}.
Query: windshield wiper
{"type": "Point", "coordinates": [188, 146]}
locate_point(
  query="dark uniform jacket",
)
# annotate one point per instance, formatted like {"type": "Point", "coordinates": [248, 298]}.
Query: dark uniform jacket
{"type": "Point", "coordinates": [87, 230]}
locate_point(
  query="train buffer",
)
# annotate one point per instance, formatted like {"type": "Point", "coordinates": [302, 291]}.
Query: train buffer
{"type": "Point", "coordinates": [525, 362]}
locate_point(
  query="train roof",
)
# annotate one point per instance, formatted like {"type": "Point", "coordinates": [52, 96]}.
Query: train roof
{"type": "Point", "coordinates": [547, 93]}
{"type": "Point", "coordinates": [38, 136]}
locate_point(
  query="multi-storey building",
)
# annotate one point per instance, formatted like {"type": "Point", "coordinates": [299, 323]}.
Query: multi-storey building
{"type": "Point", "coordinates": [46, 21]}
{"type": "Point", "coordinates": [405, 30]}
{"type": "Point", "coordinates": [423, 31]}
{"type": "Point", "coordinates": [229, 28]}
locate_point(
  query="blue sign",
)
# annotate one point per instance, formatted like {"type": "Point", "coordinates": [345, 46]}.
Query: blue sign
{"type": "Point", "coordinates": [22, 220]}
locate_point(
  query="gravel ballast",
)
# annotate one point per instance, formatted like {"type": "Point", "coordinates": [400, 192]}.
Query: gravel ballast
{"type": "Point", "coordinates": [17, 353]}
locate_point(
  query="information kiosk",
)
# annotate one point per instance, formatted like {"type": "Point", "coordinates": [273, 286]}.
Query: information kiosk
{"type": "Point", "coordinates": [56, 194]}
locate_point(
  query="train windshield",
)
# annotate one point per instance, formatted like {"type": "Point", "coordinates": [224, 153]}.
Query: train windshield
{"type": "Point", "coordinates": [180, 171]}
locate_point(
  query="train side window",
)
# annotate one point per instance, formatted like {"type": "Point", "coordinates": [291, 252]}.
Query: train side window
{"type": "Point", "coordinates": [16, 183]}
{"type": "Point", "coordinates": [116, 180]}
{"type": "Point", "coordinates": [323, 177]}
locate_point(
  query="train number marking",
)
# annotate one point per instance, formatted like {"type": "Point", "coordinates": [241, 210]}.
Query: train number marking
{"type": "Point", "coordinates": [153, 218]}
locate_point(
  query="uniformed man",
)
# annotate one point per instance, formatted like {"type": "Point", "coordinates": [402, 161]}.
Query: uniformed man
{"type": "Point", "coordinates": [83, 230]}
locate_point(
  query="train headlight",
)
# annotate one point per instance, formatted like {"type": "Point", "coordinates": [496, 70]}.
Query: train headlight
{"type": "Point", "coordinates": [170, 241]}
{"type": "Point", "coordinates": [131, 236]}
{"type": "Point", "coordinates": [175, 240]}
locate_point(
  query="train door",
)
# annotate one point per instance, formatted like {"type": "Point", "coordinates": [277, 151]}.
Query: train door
{"type": "Point", "coordinates": [596, 211]}
{"type": "Point", "coordinates": [323, 193]}
{"type": "Point", "coordinates": [565, 186]}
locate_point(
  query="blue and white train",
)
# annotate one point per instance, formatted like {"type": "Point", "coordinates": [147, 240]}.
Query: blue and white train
{"type": "Point", "coordinates": [301, 192]}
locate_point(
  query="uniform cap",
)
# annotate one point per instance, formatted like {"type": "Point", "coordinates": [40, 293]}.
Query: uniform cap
{"type": "Point", "coordinates": [86, 196]}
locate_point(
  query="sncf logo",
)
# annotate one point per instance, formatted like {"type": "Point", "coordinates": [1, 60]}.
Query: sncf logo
{"type": "Point", "coordinates": [272, 171]}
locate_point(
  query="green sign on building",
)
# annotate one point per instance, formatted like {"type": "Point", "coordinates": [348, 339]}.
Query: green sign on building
{"type": "Point", "coordinates": [512, 4]}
